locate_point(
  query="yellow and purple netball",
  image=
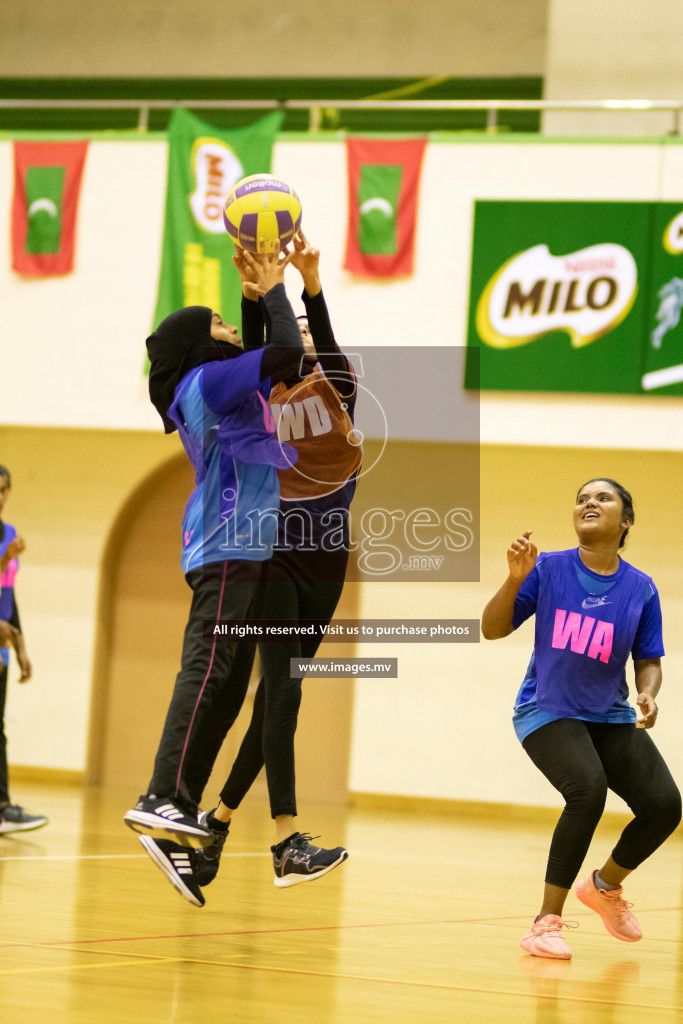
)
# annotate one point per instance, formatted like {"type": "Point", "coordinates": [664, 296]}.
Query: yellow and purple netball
{"type": "Point", "coordinates": [262, 207]}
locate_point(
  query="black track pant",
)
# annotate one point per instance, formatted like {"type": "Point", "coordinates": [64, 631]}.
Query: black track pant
{"type": "Point", "coordinates": [4, 780]}
{"type": "Point", "coordinates": [300, 587]}
{"type": "Point", "coordinates": [213, 678]}
{"type": "Point", "coordinates": [583, 760]}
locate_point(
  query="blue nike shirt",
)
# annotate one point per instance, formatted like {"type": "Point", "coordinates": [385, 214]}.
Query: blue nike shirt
{"type": "Point", "coordinates": [587, 626]}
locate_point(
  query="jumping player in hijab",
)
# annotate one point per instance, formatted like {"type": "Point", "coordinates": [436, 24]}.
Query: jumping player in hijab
{"type": "Point", "coordinates": [204, 385]}
{"type": "Point", "coordinates": [305, 576]}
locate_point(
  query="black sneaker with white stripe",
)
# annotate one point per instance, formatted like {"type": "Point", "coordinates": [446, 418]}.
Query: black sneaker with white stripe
{"type": "Point", "coordinates": [297, 860]}
{"type": "Point", "coordinates": [161, 818]}
{"type": "Point", "coordinates": [177, 864]}
{"type": "Point", "coordinates": [208, 860]}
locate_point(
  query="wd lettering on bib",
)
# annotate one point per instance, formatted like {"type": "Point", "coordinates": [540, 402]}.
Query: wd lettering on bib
{"type": "Point", "coordinates": [578, 630]}
{"type": "Point", "coordinates": [311, 415]}
{"type": "Point", "coordinates": [291, 418]}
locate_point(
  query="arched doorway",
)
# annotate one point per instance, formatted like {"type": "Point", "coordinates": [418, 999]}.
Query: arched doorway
{"type": "Point", "coordinates": [143, 606]}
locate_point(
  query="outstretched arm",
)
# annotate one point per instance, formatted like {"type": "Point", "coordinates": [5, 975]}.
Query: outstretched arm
{"type": "Point", "coordinates": [222, 388]}
{"type": "Point", "coordinates": [306, 259]}
{"type": "Point", "coordinates": [496, 619]}
{"type": "Point", "coordinates": [284, 348]}
{"type": "Point", "coordinates": [252, 314]}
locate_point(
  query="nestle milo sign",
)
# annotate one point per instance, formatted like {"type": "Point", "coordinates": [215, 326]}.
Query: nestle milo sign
{"type": "Point", "coordinates": [565, 296]}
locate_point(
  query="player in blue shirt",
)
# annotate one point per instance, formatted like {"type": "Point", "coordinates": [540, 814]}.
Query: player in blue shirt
{"type": "Point", "coordinates": [305, 575]}
{"type": "Point", "coordinates": [593, 610]}
{"type": "Point", "coordinates": [13, 818]}
{"type": "Point", "coordinates": [204, 385]}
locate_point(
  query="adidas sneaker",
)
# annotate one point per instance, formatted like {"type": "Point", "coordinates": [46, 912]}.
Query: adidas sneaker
{"type": "Point", "coordinates": [177, 863]}
{"type": "Point", "coordinates": [161, 818]}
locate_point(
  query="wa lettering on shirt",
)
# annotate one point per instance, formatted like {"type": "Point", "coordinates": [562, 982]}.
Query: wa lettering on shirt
{"type": "Point", "coordinates": [578, 630]}
{"type": "Point", "coordinates": [291, 418]}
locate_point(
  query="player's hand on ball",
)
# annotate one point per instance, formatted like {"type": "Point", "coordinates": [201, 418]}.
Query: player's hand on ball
{"type": "Point", "coordinates": [247, 276]}
{"type": "Point", "coordinates": [268, 268]}
{"type": "Point", "coordinates": [306, 259]}
{"type": "Point", "coordinates": [521, 556]}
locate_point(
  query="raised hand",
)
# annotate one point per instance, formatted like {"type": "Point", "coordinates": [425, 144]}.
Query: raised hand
{"type": "Point", "coordinates": [247, 277]}
{"type": "Point", "coordinates": [521, 556]}
{"type": "Point", "coordinates": [15, 548]}
{"type": "Point", "coordinates": [266, 269]}
{"type": "Point", "coordinates": [306, 259]}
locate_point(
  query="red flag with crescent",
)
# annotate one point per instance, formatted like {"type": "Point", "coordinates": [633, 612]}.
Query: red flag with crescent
{"type": "Point", "coordinates": [384, 179]}
{"type": "Point", "coordinates": [47, 181]}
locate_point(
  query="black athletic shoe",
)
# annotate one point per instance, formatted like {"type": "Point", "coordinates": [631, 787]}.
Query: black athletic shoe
{"type": "Point", "coordinates": [207, 860]}
{"type": "Point", "coordinates": [177, 864]}
{"type": "Point", "coordinates": [161, 818]}
{"type": "Point", "coordinates": [15, 819]}
{"type": "Point", "coordinates": [296, 860]}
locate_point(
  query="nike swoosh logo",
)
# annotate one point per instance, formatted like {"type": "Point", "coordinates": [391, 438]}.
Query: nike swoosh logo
{"type": "Point", "coordinates": [593, 602]}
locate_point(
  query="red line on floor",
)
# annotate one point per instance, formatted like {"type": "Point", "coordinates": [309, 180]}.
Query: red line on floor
{"type": "Point", "coordinates": [522, 919]}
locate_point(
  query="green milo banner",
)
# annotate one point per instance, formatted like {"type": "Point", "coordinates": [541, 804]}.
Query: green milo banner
{"type": "Point", "coordinates": [663, 362]}
{"type": "Point", "coordinates": [577, 296]}
{"type": "Point", "coordinates": [203, 165]}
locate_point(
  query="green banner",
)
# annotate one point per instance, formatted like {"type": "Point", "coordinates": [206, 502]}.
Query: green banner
{"type": "Point", "coordinates": [204, 163]}
{"type": "Point", "coordinates": [44, 191]}
{"type": "Point", "coordinates": [576, 296]}
{"type": "Point", "coordinates": [378, 192]}
{"type": "Point", "coordinates": [663, 365]}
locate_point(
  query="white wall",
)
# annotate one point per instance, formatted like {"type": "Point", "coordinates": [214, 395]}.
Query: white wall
{"type": "Point", "coordinates": [83, 335]}
{"type": "Point", "coordinates": [90, 326]}
{"type": "Point", "coordinates": [608, 51]}
{"type": "Point", "coordinates": [68, 486]}
{"type": "Point", "coordinates": [73, 350]}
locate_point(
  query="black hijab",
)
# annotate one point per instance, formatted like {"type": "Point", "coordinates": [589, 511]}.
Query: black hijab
{"type": "Point", "coordinates": [180, 343]}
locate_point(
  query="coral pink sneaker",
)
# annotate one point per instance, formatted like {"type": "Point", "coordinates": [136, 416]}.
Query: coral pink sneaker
{"type": "Point", "coordinates": [612, 908]}
{"type": "Point", "coordinates": [545, 938]}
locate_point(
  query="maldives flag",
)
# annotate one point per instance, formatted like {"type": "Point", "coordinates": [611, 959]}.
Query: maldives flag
{"type": "Point", "coordinates": [47, 180]}
{"type": "Point", "coordinates": [384, 178]}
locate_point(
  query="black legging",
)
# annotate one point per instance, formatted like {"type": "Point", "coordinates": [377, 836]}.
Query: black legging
{"type": "Point", "coordinates": [583, 760]}
{"type": "Point", "coordinates": [301, 586]}
{"type": "Point", "coordinates": [213, 679]}
{"type": "Point", "coordinates": [4, 780]}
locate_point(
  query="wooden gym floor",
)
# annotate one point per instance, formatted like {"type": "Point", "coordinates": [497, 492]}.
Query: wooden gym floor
{"type": "Point", "coordinates": [421, 924]}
